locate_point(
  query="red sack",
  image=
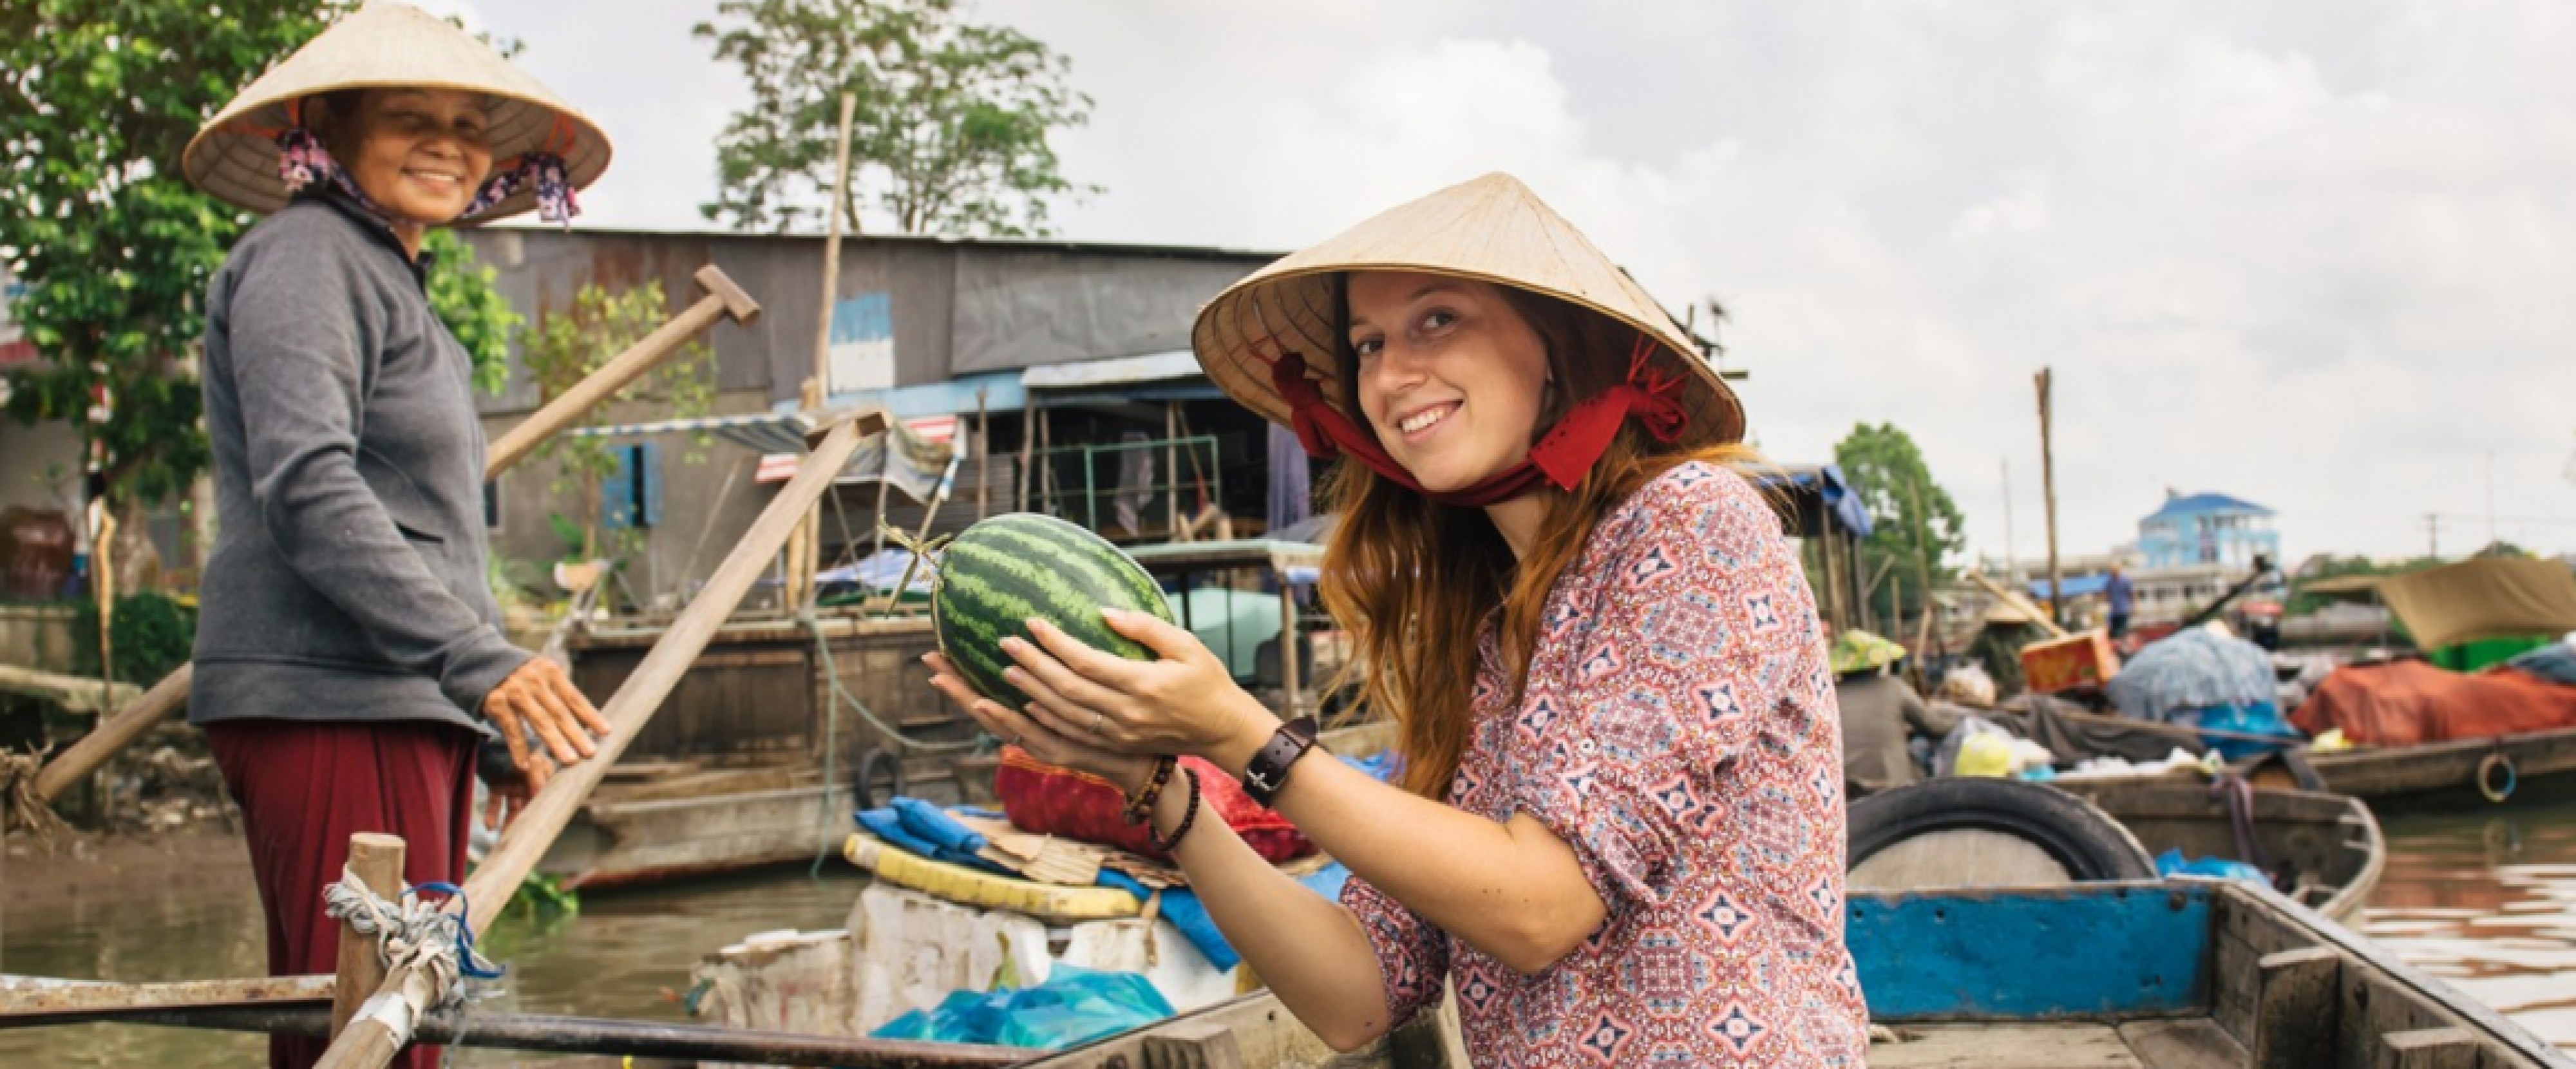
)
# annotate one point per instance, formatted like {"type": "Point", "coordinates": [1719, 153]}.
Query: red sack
{"type": "Point", "coordinates": [1049, 800]}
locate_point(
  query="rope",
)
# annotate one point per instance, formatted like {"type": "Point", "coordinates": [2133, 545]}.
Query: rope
{"type": "Point", "coordinates": [414, 934]}
{"type": "Point", "coordinates": [18, 773]}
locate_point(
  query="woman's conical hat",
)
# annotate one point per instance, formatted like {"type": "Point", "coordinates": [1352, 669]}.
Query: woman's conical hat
{"type": "Point", "coordinates": [1492, 229]}
{"type": "Point", "coordinates": [389, 44]}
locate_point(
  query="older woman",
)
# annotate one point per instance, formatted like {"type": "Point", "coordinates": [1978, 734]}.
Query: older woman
{"type": "Point", "coordinates": [349, 656]}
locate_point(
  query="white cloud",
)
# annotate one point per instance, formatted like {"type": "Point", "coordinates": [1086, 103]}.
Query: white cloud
{"type": "Point", "coordinates": [2313, 256]}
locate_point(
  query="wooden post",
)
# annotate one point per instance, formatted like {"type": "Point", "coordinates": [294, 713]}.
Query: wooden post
{"type": "Point", "coordinates": [805, 546]}
{"type": "Point", "coordinates": [378, 861]}
{"type": "Point", "coordinates": [1289, 669]}
{"type": "Point", "coordinates": [1172, 475]}
{"type": "Point", "coordinates": [724, 300]}
{"type": "Point", "coordinates": [983, 458]}
{"type": "Point", "coordinates": [2048, 497]}
{"type": "Point", "coordinates": [1028, 444]}
{"type": "Point", "coordinates": [370, 1043]}
{"type": "Point", "coordinates": [2295, 1008]}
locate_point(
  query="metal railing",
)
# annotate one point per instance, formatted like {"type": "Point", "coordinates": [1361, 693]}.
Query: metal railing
{"type": "Point", "coordinates": [1083, 483]}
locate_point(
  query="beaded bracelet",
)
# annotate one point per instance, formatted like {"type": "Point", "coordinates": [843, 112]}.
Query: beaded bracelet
{"type": "Point", "coordinates": [1187, 817]}
{"type": "Point", "coordinates": [1140, 806]}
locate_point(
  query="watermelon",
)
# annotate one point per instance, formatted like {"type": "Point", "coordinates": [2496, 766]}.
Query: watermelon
{"type": "Point", "coordinates": [997, 574]}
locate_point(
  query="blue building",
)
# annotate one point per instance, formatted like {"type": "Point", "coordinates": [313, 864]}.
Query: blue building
{"type": "Point", "coordinates": [2207, 529]}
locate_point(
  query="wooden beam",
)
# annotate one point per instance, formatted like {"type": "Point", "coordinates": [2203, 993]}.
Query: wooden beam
{"type": "Point", "coordinates": [2426, 1048]}
{"type": "Point", "coordinates": [378, 862]}
{"type": "Point", "coordinates": [2295, 1007]}
{"type": "Point", "coordinates": [27, 1001]}
{"type": "Point", "coordinates": [75, 693]}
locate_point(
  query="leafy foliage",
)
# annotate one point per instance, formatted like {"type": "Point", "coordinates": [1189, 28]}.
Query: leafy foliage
{"type": "Point", "coordinates": [950, 131]}
{"type": "Point", "coordinates": [97, 99]}
{"type": "Point", "coordinates": [564, 348]}
{"type": "Point", "coordinates": [1919, 528]}
{"type": "Point", "coordinates": [461, 291]}
{"type": "Point", "coordinates": [153, 635]}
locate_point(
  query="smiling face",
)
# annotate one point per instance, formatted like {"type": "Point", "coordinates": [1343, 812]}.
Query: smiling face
{"type": "Point", "coordinates": [420, 154]}
{"type": "Point", "coordinates": [1449, 374]}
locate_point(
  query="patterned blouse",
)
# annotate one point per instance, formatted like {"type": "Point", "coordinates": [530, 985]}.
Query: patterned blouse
{"type": "Point", "coordinates": [1678, 731]}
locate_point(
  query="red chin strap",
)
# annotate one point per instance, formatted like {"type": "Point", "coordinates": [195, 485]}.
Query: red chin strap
{"type": "Point", "coordinates": [1562, 456]}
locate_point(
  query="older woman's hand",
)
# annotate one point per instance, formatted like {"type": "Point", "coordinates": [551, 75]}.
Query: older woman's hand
{"type": "Point", "coordinates": [1185, 703]}
{"type": "Point", "coordinates": [539, 702]}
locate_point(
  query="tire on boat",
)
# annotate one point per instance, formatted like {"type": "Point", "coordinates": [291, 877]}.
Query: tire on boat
{"type": "Point", "coordinates": [879, 779]}
{"type": "Point", "coordinates": [1975, 832]}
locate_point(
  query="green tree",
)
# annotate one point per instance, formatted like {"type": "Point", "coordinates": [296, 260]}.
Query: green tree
{"type": "Point", "coordinates": [1919, 528]}
{"type": "Point", "coordinates": [97, 98]}
{"type": "Point", "coordinates": [565, 347]}
{"type": "Point", "coordinates": [950, 131]}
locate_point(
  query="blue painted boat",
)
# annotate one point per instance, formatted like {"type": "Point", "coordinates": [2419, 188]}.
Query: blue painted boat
{"type": "Point", "coordinates": [2180, 974]}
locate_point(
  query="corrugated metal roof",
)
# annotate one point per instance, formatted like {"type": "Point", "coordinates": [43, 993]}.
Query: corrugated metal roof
{"type": "Point", "coordinates": [2202, 504]}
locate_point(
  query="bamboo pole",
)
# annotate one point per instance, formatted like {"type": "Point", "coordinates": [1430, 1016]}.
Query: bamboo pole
{"type": "Point", "coordinates": [371, 1042]}
{"type": "Point", "coordinates": [983, 456]}
{"type": "Point", "coordinates": [378, 861]}
{"type": "Point", "coordinates": [724, 300]}
{"type": "Point", "coordinates": [2048, 497]}
{"type": "Point", "coordinates": [805, 547]}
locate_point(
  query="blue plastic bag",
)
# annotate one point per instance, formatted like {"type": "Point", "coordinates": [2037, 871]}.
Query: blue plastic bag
{"type": "Point", "coordinates": [2172, 863]}
{"type": "Point", "coordinates": [925, 829]}
{"type": "Point", "coordinates": [1074, 1006]}
{"type": "Point", "coordinates": [2260, 718]}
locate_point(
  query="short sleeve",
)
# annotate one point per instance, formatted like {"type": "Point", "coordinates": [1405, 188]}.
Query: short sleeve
{"type": "Point", "coordinates": [1696, 626]}
{"type": "Point", "coordinates": [1412, 955]}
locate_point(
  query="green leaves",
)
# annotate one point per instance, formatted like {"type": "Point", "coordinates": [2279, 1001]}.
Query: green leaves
{"type": "Point", "coordinates": [564, 348]}
{"type": "Point", "coordinates": [950, 131]}
{"type": "Point", "coordinates": [1918, 526]}
{"type": "Point", "coordinates": [461, 292]}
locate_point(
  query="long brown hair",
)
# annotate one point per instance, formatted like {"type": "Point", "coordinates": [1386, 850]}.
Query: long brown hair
{"type": "Point", "coordinates": [1413, 580]}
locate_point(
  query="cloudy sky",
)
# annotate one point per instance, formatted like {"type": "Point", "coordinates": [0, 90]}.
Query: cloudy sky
{"type": "Point", "coordinates": [2320, 255]}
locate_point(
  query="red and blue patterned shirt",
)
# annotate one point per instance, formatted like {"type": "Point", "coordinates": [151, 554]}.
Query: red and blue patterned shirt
{"type": "Point", "coordinates": [1678, 731]}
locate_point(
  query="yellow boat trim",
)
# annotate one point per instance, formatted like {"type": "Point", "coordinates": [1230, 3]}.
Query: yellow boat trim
{"type": "Point", "coordinates": [985, 890]}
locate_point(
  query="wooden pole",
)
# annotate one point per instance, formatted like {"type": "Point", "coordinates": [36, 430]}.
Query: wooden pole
{"type": "Point", "coordinates": [378, 861]}
{"type": "Point", "coordinates": [369, 1043]}
{"type": "Point", "coordinates": [724, 300]}
{"type": "Point", "coordinates": [1028, 446]}
{"type": "Point", "coordinates": [805, 547]}
{"type": "Point", "coordinates": [2048, 497]}
{"type": "Point", "coordinates": [1172, 475]}
{"type": "Point", "coordinates": [983, 456]}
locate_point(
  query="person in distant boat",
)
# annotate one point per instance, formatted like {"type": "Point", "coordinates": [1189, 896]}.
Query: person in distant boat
{"type": "Point", "coordinates": [349, 658]}
{"type": "Point", "coordinates": [2120, 596]}
{"type": "Point", "coordinates": [1881, 713]}
{"type": "Point", "coordinates": [1620, 825]}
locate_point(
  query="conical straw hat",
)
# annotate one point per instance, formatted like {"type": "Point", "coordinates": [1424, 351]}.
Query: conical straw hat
{"type": "Point", "coordinates": [1492, 229]}
{"type": "Point", "coordinates": [389, 44]}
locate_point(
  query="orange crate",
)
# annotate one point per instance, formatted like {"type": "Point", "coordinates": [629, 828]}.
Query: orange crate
{"type": "Point", "coordinates": [2079, 660]}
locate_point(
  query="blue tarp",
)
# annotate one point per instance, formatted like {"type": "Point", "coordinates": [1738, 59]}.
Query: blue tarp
{"type": "Point", "coordinates": [1826, 481]}
{"type": "Point", "coordinates": [2074, 586]}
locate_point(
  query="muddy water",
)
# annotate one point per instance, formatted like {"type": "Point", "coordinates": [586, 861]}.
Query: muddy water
{"type": "Point", "coordinates": [2488, 902]}
{"type": "Point", "coordinates": [625, 955]}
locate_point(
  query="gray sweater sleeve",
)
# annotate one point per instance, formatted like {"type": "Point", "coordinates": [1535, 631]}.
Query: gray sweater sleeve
{"type": "Point", "coordinates": [306, 336]}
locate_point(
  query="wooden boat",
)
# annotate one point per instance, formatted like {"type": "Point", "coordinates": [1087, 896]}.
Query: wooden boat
{"type": "Point", "coordinates": [2461, 773]}
{"type": "Point", "coordinates": [2185, 974]}
{"type": "Point", "coordinates": [652, 825]}
{"type": "Point", "coordinates": [2182, 974]}
{"type": "Point", "coordinates": [2326, 847]}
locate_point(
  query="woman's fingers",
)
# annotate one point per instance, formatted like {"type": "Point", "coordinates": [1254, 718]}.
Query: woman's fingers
{"type": "Point", "coordinates": [1167, 640]}
{"type": "Point", "coordinates": [1094, 667]}
{"type": "Point", "coordinates": [505, 718]}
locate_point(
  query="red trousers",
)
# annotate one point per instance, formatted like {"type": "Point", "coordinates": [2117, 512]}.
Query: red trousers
{"type": "Point", "coordinates": [304, 788]}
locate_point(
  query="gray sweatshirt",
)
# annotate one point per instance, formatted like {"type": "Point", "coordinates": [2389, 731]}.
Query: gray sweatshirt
{"type": "Point", "coordinates": [347, 579]}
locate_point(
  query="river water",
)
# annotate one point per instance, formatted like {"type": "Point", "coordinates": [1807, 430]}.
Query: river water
{"type": "Point", "coordinates": [2486, 901]}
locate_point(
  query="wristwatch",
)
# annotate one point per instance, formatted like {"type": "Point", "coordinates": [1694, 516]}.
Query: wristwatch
{"type": "Point", "coordinates": [1267, 772]}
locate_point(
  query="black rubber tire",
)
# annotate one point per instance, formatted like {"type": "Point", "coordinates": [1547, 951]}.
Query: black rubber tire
{"type": "Point", "coordinates": [877, 766]}
{"type": "Point", "coordinates": [2074, 832]}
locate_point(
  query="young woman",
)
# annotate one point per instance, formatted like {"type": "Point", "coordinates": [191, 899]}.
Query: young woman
{"type": "Point", "coordinates": [1620, 829]}
{"type": "Point", "coordinates": [349, 656]}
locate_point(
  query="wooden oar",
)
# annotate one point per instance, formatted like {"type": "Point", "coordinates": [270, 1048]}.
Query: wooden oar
{"type": "Point", "coordinates": [724, 300]}
{"type": "Point", "coordinates": [370, 1041]}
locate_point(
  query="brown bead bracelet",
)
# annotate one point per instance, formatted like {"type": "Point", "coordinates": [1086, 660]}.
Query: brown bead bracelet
{"type": "Point", "coordinates": [1140, 806]}
{"type": "Point", "coordinates": [1188, 817]}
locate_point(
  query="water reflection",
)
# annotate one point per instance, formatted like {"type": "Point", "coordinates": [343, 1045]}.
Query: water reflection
{"type": "Point", "coordinates": [625, 955]}
{"type": "Point", "coordinates": [2488, 902]}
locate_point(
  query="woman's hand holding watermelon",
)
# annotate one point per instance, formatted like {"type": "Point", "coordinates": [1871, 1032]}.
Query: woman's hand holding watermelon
{"type": "Point", "coordinates": [1183, 703]}
{"type": "Point", "coordinates": [1128, 771]}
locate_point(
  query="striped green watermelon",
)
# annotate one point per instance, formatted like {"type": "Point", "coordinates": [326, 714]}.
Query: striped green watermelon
{"type": "Point", "coordinates": [1000, 572]}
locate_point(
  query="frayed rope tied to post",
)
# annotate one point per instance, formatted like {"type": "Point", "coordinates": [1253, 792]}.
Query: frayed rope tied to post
{"type": "Point", "coordinates": [19, 806]}
{"type": "Point", "coordinates": [414, 933]}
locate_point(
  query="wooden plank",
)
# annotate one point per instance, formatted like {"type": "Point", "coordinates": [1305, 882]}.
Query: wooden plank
{"type": "Point", "coordinates": [2295, 994]}
{"type": "Point", "coordinates": [79, 694]}
{"type": "Point", "coordinates": [2427, 1048]}
{"type": "Point", "coordinates": [2191, 1043]}
{"type": "Point", "coordinates": [377, 859]}
{"type": "Point", "coordinates": [33, 1000]}
{"type": "Point", "coordinates": [1194, 1045]}
{"type": "Point", "coordinates": [2082, 951]}
{"type": "Point", "coordinates": [2006, 1046]}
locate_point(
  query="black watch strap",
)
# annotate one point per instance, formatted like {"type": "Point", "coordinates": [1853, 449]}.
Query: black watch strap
{"type": "Point", "coordinates": [1267, 772]}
